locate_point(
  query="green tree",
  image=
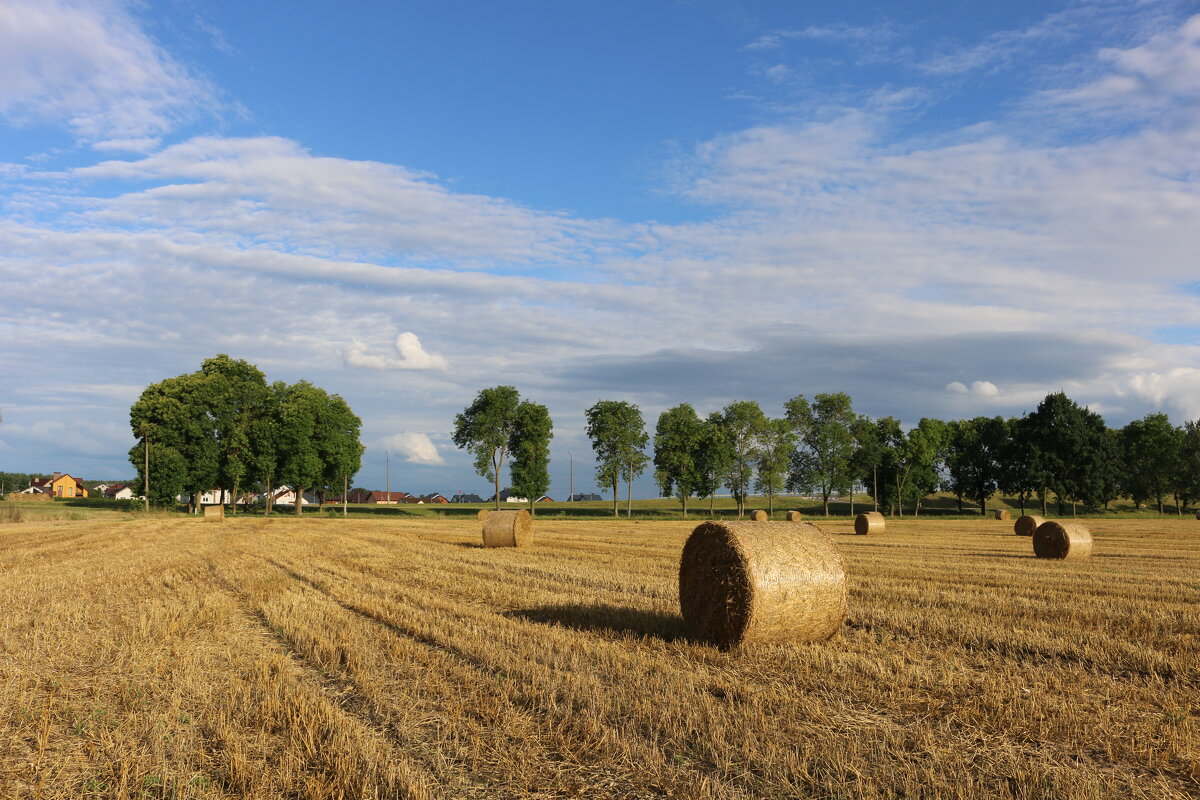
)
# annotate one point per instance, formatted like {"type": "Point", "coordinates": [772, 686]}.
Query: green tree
{"type": "Point", "coordinates": [174, 418]}
{"type": "Point", "coordinates": [318, 439]}
{"type": "Point", "coordinates": [1066, 441]}
{"type": "Point", "coordinates": [825, 430]}
{"type": "Point", "coordinates": [1151, 458]}
{"type": "Point", "coordinates": [974, 451]}
{"type": "Point", "coordinates": [619, 440]}
{"type": "Point", "coordinates": [484, 429]}
{"type": "Point", "coordinates": [743, 422]}
{"type": "Point", "coordinates": [923, 454]}
{"type": "Point", "coordinates": [678, 439]}
{"type": "Point", "coordinates": [1188, 475]}
{"type": "Point", "coordinates": [867, 456]}
{"type": "Point", "coordinates": [714, 458]}
{"type": "Point", "coordinates": [776, 445]}
{"type": "Point", "coordinates": [239, 399]}
{"type": "Point", "coordinates": [529, 444]}
{"type": "Point", "coordinates": [1018, 475]}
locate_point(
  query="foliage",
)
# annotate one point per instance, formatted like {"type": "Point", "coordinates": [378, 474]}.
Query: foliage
{"type": "Point", "coordinates": [529, 446]}
{"type": "Point", "coordinates": [974, 457]}
{"type": "Point", "coordinates": [776, 445]}
{"type": "Point", "coordinates": [825, 428]}
{"type": "Point", "coordinates": [1152, 454]}
{"type": "Point", "coordinates": [484, 429]}
{"type": "Point", "coordinates": [743, 423]}
{"type": "Point", "coordinates": [678, 440]}
{"type": "Point", "coordinates": [619, 439]}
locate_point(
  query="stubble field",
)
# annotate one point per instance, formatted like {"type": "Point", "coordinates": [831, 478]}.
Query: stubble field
{"type": "Point", "coordinates": [266, 658]}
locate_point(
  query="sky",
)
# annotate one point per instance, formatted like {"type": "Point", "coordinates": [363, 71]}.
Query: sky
{"type": "Point", "coordinates": [944, 209]}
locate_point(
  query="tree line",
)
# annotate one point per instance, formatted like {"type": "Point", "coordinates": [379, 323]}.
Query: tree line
{"type": "Point", "coordinates": [821, 446]}
{"type": "Point", "coordinates": [224, 427]}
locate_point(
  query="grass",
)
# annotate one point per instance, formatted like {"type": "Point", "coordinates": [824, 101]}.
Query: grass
{"type": "Point", "coordinates": [166, 657]}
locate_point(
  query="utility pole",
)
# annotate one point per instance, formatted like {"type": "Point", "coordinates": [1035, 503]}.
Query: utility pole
{"type": "Point", "coordinates": [388, 457]}
{"type": "Point", "coordinates": [345, 492]}
{"type": "Point", "coordinates": [146, 473]}
{"type": "Point", "coordinates": [571, 496]}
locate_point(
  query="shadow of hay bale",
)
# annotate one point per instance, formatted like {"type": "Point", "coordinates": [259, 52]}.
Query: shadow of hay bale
{"type": "Point", "coordinates": [620, 620]}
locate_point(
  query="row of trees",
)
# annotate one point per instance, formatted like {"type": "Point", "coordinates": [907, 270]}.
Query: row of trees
{"type": "Point", "coordinates": [225, 427]}
{"type": "Point", "coordinates": [823, 447]}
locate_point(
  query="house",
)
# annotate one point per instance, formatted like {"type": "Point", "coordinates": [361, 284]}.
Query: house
{"type": "Point", "coordinates": [286, 496]}
{"type": "Point", "coordinates": [545, 499]}
{"type": "Point", "coordinates": [61, 485]}
{"type": "Point", "coordinates": [102, 488]}
{"type": "Point", "coordinates": [117, 491]}
{"type": "Point", "coordinates": [466, 498]}
{"type": "Point", "coordinates": [434, 498]}
{"type": "Point", "coordinates": [388, 498]}
{"type": "Point", "coordinates": [508, 496]}
{"type": "Point", "coordinates": [585, 498]}
{"type": "Point", "coordinates": [355, 496]}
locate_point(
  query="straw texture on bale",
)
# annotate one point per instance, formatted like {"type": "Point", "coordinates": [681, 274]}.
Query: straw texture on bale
{"type": "Point", "coordinates": [214, 513]}
{"type": "Point", "coordinates": [870, 522]}
{"type": "Point", "coordinates": [1026, 525]}
{"type": "Point", "coordinates": [1198, 515]}
{"type": "Point", "coordinates": [483, 512]}
{"type": "Point", "coordinates": [761, 582]}
{"type": "Point", "coordinates": [794, 516]}
{"type": "Point", "coordinates": [507, 529]}
{"type": "Point", "coordinates": [1003, 515]}
{"type": "Point", "coordinates": [758, 515]}
{"type": "Point", "coordinates": [1062, 540]}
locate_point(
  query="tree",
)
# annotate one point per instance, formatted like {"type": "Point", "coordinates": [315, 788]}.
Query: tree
{"type": "Point", "coordinates": [825, 429]}
{"type": "Point", "coordinates": [923, 453]}
{"type": "Point", "coordinates": [1017, 462]}
{"type": "Point", "coordinates": [1188, 480]}
{"type": "Point", "coordinates": [239, 398]}
{"type": "Point", "coordinates": [318, 438]}
{"type": "Point", "coordinates": [867, 456]}
{"type": "Point", "coordinates": [619, 439]}
{"type": "Point", "coordinates": [776, 445]}
{"type": "Point", "coordinates": [678, 439]}
{"type": "Point", "coordinates": [974, 451]}
{"type": "Point", "coordinates": [529, 446]}
{"type": "Point", "coordinates": [173, 419]}
{"type": "Point", "coordinates": [1151, 458]}
{"type": "Point", "coordinates": [713, 458]}
{"type": "Point", "coordinates": [484, 429]}
{"type": "Point", "coordinates": [743, 423]}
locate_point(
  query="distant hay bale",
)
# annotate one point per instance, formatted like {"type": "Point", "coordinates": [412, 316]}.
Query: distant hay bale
{"type": "Point", "coordinates": [1026, 525]}
{"type": "Point", "coordinates": [482, 515]}
{"type": "Point", "coordinates": [214, 513]}
{"type": "Point", "coordinates": [507, 529]}
{"type": "Point", "coordinates": [1062, 540]}
{"type": "Point", "coordinates": [870, 522]}
{"type": "Point", "coordinates": [1003, 515]}
{"type": "Point", "coordinates": [794, 516]}
{"type": "Point", "coordinates": [1198, 515]}
{"type": "Point", "coordinates": [758, 515]}
{"type": "Point", "coordinates": [761, 582]}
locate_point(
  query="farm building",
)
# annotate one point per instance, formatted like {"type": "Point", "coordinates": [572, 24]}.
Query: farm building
{"type": "Point", "coordinates": [466, 498]}
{"type": "Point", "coordinates": [117, 491]}
{"type": "Point", "coordinates": [60, 485]}
{"type": "Point", "coordinates": [585, 498]}
{"type": "Point", "coordinates": [388, 498]}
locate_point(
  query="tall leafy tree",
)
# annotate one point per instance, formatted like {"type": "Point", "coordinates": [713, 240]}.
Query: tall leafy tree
{"type": "Point", "coordinates": [714, 458]}
{"type": "Point", "coordinates": [340, 448]}
{"type": "Point", "coordinates": [744, 423]}
{"type": "Point", "coordinates": [174, 418]}
{"type": "Point", "coordinates": [484, 429]}
{"type": "Point", "coordinates": [619, 440]}
{"type": "Point", "coordinates": [1065, 439]}
{"type": "Point", "coordinates": [1188, 480]}
{"type": "Point", "coordinates": [1018, 475]}
{"type": "Point", "coordinates": [974, 453]}
{"type": "Point", "coordinates": [867, 456]}
{"type": "Point", "coordinates": [1151, 458]}
{"type": "Point", "coordinates": [776, 445]}
{"type": "Point", "coordinates": [529, 444]}
{"type": "Point", "coordinates": [239, 400]}
{"type": "Point", "coordinates": [825, 428]}
{"type": "Point", "coordinates": [318, 438]}
{"type": "Point", "coordinates": [923, 454]}
{"type": "Point", "coordinates": [678, 439]}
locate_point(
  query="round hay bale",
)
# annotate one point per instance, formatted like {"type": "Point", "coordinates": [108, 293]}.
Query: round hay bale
{"type": "Point", "coordinates": [794, 516]}
{"type": "Point", "coordinates": [870, 522]}
{"type": "Point", "coordinates": [1003, 515]}
{"type": "Point", "coordinates": [507, 529]}
{"type": "Point", "coordinates": [758, 515]}
{"type": "Point", "coordinates": [761, 582]}
{"type": "Point", "coordinates": [1062, 540]}
{"type": "Point", "coordinates": [1026, 525]}
{"type": "Point", "coordinates": [1198, 515]}
{"type": "Point", "coordinates": [483, 512]}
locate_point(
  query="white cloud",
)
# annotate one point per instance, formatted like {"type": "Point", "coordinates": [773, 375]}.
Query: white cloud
{"type": "Point", "coordinates": [985, 389]}
{"type": "Point", "coordinates": [90, 66]}
{"type": "Point", "coordinates": [1176, 389]}
{"type": "Point", "coordinates": [416, 447]}
{"type": "Point", "coordinates": [408, 346]}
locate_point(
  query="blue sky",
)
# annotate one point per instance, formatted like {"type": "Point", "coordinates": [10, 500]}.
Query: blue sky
{"type": "Point", "coordinates": [945, 209]}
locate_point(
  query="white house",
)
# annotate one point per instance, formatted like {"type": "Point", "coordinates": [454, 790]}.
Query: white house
{"type": "Point", "coordinates": [286, 496]}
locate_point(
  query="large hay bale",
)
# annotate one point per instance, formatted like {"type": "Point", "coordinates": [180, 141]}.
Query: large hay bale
{"type": "Point", "coordinates": [761, 582]}
{"type": "Point", "coordinates": [1026, 525]}
{"type": "Point", "coordinates": [1198, 515]}
{"type": "Point", "coordinates": [1003, 515]}
{"type": "Point", "coordinates": [214, 513]}
{"type": "Point", "coordinates": [1062, 540]}
{"type": "Point", "coordinates": [483, 512]}
{"type": "Point", "coordinates": [870, 522]}
{"type": "Point", "coordinates": [508, 529]}
{"type": "Point", "coordinates": [758, 515]}
{"type": "Point", "coordinates": [794, 516]}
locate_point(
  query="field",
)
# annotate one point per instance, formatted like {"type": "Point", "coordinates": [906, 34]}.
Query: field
{"type": "Point", "coordinates": [166, 657]}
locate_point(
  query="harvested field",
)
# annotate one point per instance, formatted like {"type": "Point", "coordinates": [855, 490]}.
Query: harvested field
{"type": "Point", "coordinates": [327, 658]}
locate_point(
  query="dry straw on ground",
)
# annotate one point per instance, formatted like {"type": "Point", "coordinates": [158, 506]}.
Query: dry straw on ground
{"type": "Point", "coordinates": [1062, 540]}
{"type": "Point", "coordinates": [1026, 525]}
{"type": "Point", "coordinates": [508, 529]}
{"type": "Point", "coordinates": [794, 516]}
{"type": "Point", "coordinates": [870, 522]}
{"type": "Point", "coordinates": [758, 515]}
{"type": "Point", "coordinates": [1003, 515]}
{"type": "Point", "coordinates": [761, 582]}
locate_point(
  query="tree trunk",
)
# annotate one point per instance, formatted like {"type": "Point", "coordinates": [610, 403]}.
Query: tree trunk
{"type": "Point", "coordinates": [616, 487]}
{"type": "Point", "coordinates": [300, 500]}
{"type": "Point", "coordinates": [685, 499]}
{"type": "Point", "coordinates": [825, 502]}
{"type": "Point", "coordinates": [234, 498]}
{"type": "Point", "coordinates": [983, 506]}
{"type": "Point", "coordinates": [629, 496]}
{"type": "Point", "coordinates": [960, 506]}
{"type": "Point", "coordinates": [1042, 497]}
{"type": "Point", "coordinates": [875, 486]}
{"type": "Point", "coordinates": [496, 471]}
{"type": "Point", "coordinates": [1022, 497]}
{"type": "Point", "coordinates": [712, 500]}
{"type": "Point", "coordinates": [852, 498]}
{"type": "Point", "coordinates": [917, 508]}
{"type": "Point", "coordinates": [532, 507]}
